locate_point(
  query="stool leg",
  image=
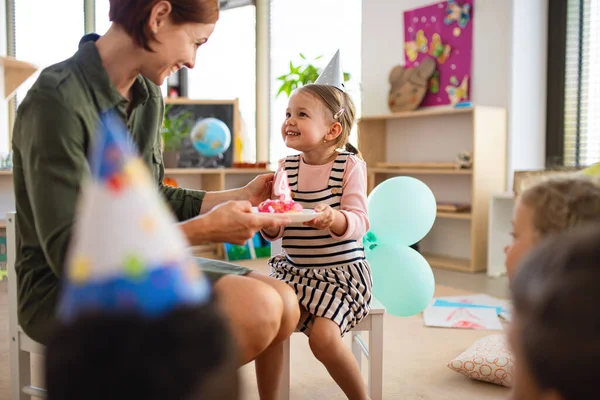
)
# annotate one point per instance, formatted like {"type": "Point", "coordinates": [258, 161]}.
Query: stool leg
{"type": "Point", "coordinates": [20, 365]}
{"type": "Point", "coordinates": [376, 358]}
{"type": "Point", "coordinates": [284, 391]}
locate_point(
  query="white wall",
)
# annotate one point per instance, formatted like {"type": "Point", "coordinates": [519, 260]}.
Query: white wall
{"type": "Point", "coordinates": [527, 123]}
{"type": "Point", "coordinates": [509, 65]}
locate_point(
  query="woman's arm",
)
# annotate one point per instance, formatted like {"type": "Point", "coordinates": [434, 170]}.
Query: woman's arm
{"type": "Point", "coordinates": [50, 149]}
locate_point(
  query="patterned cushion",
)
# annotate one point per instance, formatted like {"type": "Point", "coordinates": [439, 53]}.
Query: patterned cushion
{"type": "Point", "coordinates": [489, 359]}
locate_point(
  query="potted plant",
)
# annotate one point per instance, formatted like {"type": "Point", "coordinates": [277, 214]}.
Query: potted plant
{"type": "Point", "coordinates": [301, 75]}
{"type": "Point", "coordinates": [175, 128]}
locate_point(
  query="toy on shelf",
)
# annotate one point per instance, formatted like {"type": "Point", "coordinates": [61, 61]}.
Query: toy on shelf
{"type": "Point", "coordinates": [464, 160]}
{"type": "Point", "coordinates": [408, 86]}
{"type": "Point", "coordinates": [244, 164]}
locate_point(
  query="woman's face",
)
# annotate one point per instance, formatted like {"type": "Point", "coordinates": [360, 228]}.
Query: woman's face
{"type": "Point", "coordinates": [524, 238]}
{"type": "Point", "coordinates": [175, 45]}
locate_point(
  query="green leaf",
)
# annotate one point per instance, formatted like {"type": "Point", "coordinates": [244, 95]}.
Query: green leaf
{"type": "Point", "coordinates": [302, 56]}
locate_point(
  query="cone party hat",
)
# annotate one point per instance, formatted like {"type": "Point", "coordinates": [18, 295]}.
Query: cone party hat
{"type": "Point", "coordinates": [332, 74]}
{"type": "Point", "coordinates": [126, 253]}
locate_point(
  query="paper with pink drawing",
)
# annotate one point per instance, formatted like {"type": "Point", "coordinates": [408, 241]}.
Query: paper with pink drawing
{"type": "Point", "coordinates": [478, 312]}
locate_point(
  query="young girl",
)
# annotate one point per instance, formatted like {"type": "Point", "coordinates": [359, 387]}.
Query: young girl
{"type": "Point", "coordinates": [324, 260]}
{"type": "Point", "coordinates": [554, 333]}
{"type": "Point", "coordinates": [548, 208]}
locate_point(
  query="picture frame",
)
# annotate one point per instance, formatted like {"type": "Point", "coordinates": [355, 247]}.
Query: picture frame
{"type": "Point", "coordinates": [226, 110]}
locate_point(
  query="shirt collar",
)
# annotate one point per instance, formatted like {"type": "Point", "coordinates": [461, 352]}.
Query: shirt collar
{"type": "Point", "coordinates": [106, 94]}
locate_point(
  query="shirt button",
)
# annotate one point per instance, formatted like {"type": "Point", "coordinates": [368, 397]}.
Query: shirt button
{"type": "Point", "coordinates": [334, 190]}
{"type": "Point", "coordinates": [293, 195]}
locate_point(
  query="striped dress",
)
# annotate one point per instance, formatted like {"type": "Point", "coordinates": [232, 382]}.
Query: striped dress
{"type": "Point", "coordinates": [331, 277]}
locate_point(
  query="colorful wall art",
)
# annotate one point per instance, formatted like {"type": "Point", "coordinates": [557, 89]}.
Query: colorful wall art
{"type": "Point", "coordinates": [442, 31]}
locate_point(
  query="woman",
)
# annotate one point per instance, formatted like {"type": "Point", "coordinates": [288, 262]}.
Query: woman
{"type": "Point", "coordinates": [148, 41]}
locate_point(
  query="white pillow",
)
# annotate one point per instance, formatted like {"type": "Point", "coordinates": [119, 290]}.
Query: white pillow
{"type": "Point", "coordinates": [489, 359]}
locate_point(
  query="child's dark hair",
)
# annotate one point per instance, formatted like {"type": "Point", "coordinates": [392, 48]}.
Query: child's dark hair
{"type": "Point", "coordinates": [188, 354]}
{"type": "Point", "coordinates": [342, 109]}
{"type": "Point", "coordinates": [556, 293]}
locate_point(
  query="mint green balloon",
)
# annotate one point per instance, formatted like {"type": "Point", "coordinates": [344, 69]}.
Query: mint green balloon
{"type": "Point", "coordinates": [401, 210]}
{"type": "Point", "coordinates": [402, 279]}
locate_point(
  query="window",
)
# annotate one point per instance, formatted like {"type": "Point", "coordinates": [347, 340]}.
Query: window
{"type": "Point", "coordinates": [312, 27]}
{"type": "Point", "coordinates": [573, 131]}
{"type": "Point", "coordinates": [225, 66]}
{"type": "Point", "coordinates": [226, 69]}
{"type": "Point", "coordinates": [42, 37]}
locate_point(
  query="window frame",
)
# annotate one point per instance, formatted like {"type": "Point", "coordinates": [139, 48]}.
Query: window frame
{"type": "Point", "coordinates": [555, 102]}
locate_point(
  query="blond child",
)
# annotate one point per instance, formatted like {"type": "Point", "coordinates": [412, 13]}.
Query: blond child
{"type": "Point", "coordinates": [324, 260]}
{"type": "Point", "coordinates": [550, 207]}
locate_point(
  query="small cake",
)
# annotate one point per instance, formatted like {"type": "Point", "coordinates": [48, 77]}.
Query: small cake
{"type": "Point", "coordinates": [285, 203]}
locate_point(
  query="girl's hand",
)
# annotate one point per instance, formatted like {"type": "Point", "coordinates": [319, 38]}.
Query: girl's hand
{"type": "Point", "coordinates": [324, 220]}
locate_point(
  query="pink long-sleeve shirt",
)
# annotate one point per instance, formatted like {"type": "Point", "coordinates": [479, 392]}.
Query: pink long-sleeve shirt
{"type": "Point", "coordinates": [354, 194]}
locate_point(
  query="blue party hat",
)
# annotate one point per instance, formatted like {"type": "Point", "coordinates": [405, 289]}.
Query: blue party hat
{"type": "Point", "coordinates": [126, 252]}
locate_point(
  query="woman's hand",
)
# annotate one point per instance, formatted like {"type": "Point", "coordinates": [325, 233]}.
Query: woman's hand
{"type": "Point", "coordinates": [259, 189]}
{"type": "Point", "coordinates": [324, 220]}
{"type": "Point", "coordinates": [231, 222]}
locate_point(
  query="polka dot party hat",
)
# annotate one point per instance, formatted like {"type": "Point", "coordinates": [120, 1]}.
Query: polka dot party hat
{"type": "Point", "coordinates": [126, 253]}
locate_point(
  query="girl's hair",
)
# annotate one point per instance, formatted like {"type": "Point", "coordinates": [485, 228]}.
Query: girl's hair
{"type": "Point", "coordinates": [341, 106]}
{"type": "Point", "coordinates": [133, 15]}
{"type": "Point", "coordinates": [556, 294]}
{"type": "Point", "coordinates": [562, 203]}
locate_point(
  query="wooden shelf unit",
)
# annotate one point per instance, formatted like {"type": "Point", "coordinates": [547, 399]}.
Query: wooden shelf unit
{"type": "Point", "coordinates": [213, 179]}
{"type": "Point", "coordinates": [428, 128]}
{"type": "Point", "coordinates": [15, 73]}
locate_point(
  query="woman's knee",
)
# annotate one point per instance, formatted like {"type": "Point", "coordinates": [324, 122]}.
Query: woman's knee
{"type": "Point", "coordinates": [254, 310]}
{"type": "Point", "coordinates": [289, 299]}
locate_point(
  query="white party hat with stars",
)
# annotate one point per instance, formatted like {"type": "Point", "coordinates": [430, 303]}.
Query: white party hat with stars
{"type": "Point", "coordinates": [126, 252]}
{"type": "Point", "coordinates": [333, 74]}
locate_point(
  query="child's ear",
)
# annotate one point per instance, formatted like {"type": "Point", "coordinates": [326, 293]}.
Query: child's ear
{"type": "Point", "coordinates": [334, 132]}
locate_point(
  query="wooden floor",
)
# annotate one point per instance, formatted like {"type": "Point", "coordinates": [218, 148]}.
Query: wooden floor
{"type": "Point", "coordinates": [415, 356]}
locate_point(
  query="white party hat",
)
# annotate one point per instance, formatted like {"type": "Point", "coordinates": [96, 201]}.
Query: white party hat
{"type": "Point", "coordinates": [126, 252]}
{"type": "Point", "coordinates": [333, 74]}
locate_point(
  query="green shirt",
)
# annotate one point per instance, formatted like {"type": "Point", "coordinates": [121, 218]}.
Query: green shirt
{"type": "Point", "coordinates": [54, 126]}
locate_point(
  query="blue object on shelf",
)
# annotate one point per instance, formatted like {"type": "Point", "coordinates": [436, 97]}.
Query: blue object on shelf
{"type": "Point", "coordinates": [463, 104]}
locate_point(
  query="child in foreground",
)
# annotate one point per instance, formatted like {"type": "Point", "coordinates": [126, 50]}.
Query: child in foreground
{"type": "Point", "coordinates": [554, 332]}
{"type": "Point", "coordinates": [324, 260]}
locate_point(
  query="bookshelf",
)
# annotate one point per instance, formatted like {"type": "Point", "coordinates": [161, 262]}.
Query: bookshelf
{"type": "Point", "coordinates": [213, 179]}
{"type": "Point", "coordinates": [425, 143]}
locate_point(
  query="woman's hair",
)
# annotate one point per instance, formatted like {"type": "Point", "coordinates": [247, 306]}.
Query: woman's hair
{"type": "Point", "coordinates": [556, 294]}
{"type": "Point", "coordinates": [562, 203]}
{"type": "Point", "coordinates": [341, 106]}
{"type": "Point", "coordinates": [133, 15]}
{"type": "Point", "coordinates": [187, 354]}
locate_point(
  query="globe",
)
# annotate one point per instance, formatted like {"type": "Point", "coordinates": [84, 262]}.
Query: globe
{"type": "Point", "coordinates": [211, 137]}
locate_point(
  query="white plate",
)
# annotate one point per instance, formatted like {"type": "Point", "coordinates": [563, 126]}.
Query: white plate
{"type": "Point", "coordinates": [305, 215]}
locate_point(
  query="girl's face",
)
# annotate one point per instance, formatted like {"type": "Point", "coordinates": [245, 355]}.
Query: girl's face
{"type": "Point", "coordinates": [524, 238]}
{"type": "Point", "coordinates": [175, 45]}
{"type": "Point", "coordinates": [306, 124]}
